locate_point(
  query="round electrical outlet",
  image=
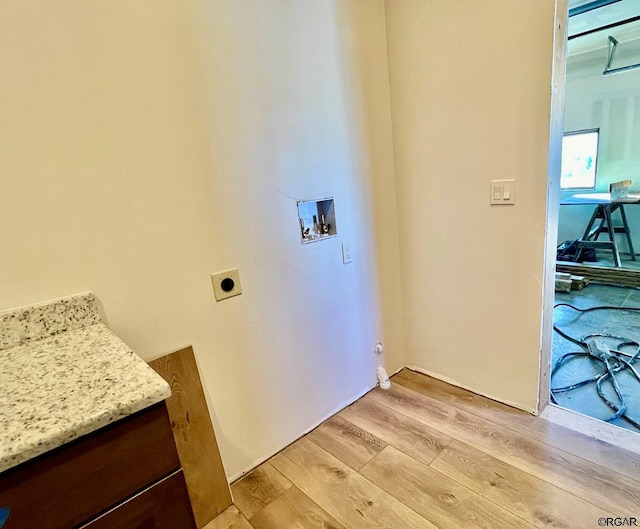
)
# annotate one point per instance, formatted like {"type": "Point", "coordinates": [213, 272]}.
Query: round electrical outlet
{"type": "Point", "coordinates": [227, 284]}
{"type": "Point", "coordinates": [378, 349]}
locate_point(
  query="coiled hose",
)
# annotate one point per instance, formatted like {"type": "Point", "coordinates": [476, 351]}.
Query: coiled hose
{"type": "Point", "coordinates": [614, 361]}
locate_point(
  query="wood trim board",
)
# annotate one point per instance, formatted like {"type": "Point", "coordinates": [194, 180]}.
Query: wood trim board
{"type": "Point", "coordinates": [195, 438]}
{"type": "Point", "coordinates": [626, 277]}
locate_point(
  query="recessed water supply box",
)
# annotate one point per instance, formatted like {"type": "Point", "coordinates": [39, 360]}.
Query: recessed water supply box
{"type": "Point", "coordinates": [316, 220]}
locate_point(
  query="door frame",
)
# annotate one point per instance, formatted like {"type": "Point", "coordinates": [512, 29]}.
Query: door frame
{"type": "Point", "coordinates": [556, 130]}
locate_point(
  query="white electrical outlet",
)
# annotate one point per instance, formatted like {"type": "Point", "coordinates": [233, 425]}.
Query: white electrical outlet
{"type": "Point", "coordinates": [226, 284]}
{"type": "Point", "coordinates": [347, 254]}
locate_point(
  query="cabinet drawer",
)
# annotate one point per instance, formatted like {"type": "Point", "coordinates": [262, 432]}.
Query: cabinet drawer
{"type": "Point", "coordinates": [72, 484]}
{"type": "Point", "coordinates": [164, 505]}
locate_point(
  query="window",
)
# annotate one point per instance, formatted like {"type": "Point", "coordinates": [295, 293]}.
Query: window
{"type": "Point", "coordinates": [579, 157]}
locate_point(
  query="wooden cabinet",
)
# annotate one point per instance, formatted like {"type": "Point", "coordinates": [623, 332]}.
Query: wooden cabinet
{"type": "Point", "coordinates": [126, 475]}
{"type": "Point", "coordinates": [164, 505]}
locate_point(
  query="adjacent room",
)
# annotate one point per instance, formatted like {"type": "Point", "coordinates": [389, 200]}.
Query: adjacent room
{"type": "Point", "coordinates": [275, 264]}
{"type": "Point", "coordinates": [597, 297]}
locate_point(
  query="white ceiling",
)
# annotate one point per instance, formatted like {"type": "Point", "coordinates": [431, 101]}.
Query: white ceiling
{"type": "Point", "coordinates": [601, 17]}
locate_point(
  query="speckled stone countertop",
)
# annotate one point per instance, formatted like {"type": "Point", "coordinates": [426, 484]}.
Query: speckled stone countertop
{"type": "Point", "coordinates": [64, 374]}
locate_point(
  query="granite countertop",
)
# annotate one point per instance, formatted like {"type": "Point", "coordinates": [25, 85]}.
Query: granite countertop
{"type": "Point", "coordinates": [64, 374]}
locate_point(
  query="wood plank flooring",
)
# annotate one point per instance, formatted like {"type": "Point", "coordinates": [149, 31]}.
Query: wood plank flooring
{"type": "Point", "coordinates": [426, 454]}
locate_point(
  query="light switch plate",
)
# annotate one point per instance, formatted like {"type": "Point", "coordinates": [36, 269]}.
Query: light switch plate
{"type": "Point", "coordinates": [226, 284]}
{"type": "Point", "coordinates": [503, 192]}
{"type": "Point", "coordinates": [347, 253]}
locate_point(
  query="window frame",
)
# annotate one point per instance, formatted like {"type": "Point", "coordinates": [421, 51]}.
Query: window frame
{"type": "Point", "coordinates": [597, 156]}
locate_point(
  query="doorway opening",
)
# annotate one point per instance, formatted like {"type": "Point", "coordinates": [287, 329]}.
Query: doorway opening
{"type": "Point", "coordinates": [595, 344]}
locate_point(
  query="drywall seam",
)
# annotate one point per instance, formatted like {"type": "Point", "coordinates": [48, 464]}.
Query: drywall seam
{"type": "Point", "coordinates": [395, 185]}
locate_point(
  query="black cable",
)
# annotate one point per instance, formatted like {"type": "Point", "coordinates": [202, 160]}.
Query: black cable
{"type": "Point", "coordinates": [612, 360]}
{"type": "Point", "coordinates": [601, 307]}
{"type": "Point", "coordinates": [620, 410]}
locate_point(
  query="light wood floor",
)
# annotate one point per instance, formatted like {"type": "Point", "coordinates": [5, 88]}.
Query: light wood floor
{"type": "Point", "coordinates": [426, 454]}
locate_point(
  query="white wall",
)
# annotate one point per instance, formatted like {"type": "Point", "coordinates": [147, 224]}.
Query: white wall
{"type": "Point", "coordinates": [147, 144]}
{"type": "Point", "coordinates": [471, 98]}
{"type": "Point", "coordinates": [612, 104]}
